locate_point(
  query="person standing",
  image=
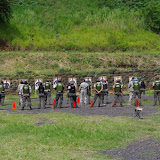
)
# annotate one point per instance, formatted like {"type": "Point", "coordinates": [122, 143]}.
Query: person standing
{"type": "Point", "coordinates": [41, 95]}
{"type": "Point", "coordinates": [19, 90]}
{"type": "Point", "coordinates": [83, 88]}
{"type": "Point", "coordinates": [105, 92]}
{"type": "Point", "coordinates": [59, 94]}
{"type": "Point", "coordinates": [72, 93]}
{"type": "Point", "coordinates": [142, 88]}
{"type": "Point", "coordinates": [26, 93]}
{"type": "Point", "coordinates": [98, 87]}
{"type": "Point", "coordinates": [47, 92]}
{"type": "Point", "coordinates": [2, 93]}
{"type": "Point", "coordinates": [117, 90]}
{"type": "Point", "coordinates": [156, 87]}
{"type": "Point", "coordinates": [131, 90]}
{"type": "Point", "coordinates": [136, 93]}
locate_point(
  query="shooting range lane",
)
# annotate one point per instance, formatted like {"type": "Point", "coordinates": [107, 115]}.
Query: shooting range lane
{"type": "Point", "coordinates": [108, 110]}
{"type": "Point", "coordinates": [144, 149]}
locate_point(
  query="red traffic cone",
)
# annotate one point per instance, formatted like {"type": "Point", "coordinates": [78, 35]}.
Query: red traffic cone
{"type": "Point", "coordinates": [53, 103]}
{"type": "Point", "coordinates": [115, 105]}
{"type": "Point", "coordinates": [137, 103]}
{"type": "Point", "coordinates": [91, 103]}
{"type": "Point", "coordinates": [78, 102]}
{"type": "Point", "coordinates": [74, 104]}
{"type": "Point", "coordinates": [14, 106]}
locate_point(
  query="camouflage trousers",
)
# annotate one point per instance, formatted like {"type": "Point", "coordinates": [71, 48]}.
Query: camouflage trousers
{"type": "Point", "coordinates": [2, 96]}
{"type": "Point", "coordinates": [59, 96]}
{"type": "Point", "coordinates": [156, 97]}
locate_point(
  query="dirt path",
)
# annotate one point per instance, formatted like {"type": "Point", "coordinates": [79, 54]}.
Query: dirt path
{"type": "Point", "coordinates": [145, 149]}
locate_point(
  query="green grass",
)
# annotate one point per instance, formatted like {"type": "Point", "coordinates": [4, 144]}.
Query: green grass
{"type": "Point", "coordinates": [75, 62]}
{"type": "Point", "coordinates": [76, 25]}
{"type": "Point", "coordinates": [69, 136]}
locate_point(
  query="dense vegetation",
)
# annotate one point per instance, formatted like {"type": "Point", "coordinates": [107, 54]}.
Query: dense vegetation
{"type": "Point", "coordinates": [88, 25]}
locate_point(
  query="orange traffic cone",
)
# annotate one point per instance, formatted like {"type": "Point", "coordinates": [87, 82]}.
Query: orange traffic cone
{"type": "Point", "coordinates": [137, 103]}
{"type": "Point", "coordinates": [78, 102]}
{"type": "Point", "coordinates": [14, 106]}
{"type": "Point", "coordinates": [91, 103]}
{"type": "Point", "coordinates": [74, 104]}
{"type": "Point", "coordinates": [53, 103]}
{"type": "Point", "coordinates": [115, 105]}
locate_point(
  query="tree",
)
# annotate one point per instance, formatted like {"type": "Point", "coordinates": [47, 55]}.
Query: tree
{"type": "Point", "coordinates": [5, 10]}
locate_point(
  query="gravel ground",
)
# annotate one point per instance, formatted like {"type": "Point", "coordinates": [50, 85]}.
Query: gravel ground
{"type": "Point", "coordinates": [108, 110]}
{"type": "Point", "coordinates": [144, 149]}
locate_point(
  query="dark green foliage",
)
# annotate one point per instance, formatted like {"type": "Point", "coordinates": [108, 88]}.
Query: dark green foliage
{"type": "Point", "coordinates": [152, 15]}
{"type": "Point", "coordinates": [5, 10]}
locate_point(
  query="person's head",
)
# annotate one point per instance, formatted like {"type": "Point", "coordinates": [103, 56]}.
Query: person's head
{"type": "Point", "coordinates": [132, 79]}
{"type": "Point", "coordinates": [25, 82]}
{"type": "Point", "coordinates": [47, 80]}
{"type": "Point", "coordinates": [104, 80]}
{"type": "Point", "coordinates": [84, 80]}
{"type": "Point", "coordinates": [142, 79]}
{"type": "Point", "coordinates": [1, 82]}
{"type": "Point", "coordinates": [40, 84]}
{"type": "Point", "coordinates": [71, 83]}
{"type": "Point", "coordinates": [118, 80]}
{"type": "Point", "coordinates": [21, 82]}
{"type": "Point", "coordinates": [59, 80]}
{"type": "Point", "coordinates": [97, 80]}
{"type": "Point", "coordinates": [156, 78]}
{"type": "Point", "coordinates": [136, 80]}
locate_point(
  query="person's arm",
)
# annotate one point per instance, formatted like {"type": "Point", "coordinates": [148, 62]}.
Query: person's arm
{"type": "Point", "coordinates": [101, 89]}
{"type": "Point", "coordinates": [30, 89]}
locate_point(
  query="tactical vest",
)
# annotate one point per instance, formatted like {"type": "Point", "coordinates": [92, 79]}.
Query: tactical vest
{"type": "Point", "coordinates": [105, 86]}
{"type": "Point", "coordinates": [117, 87]}
{"type": "Point", "coordinates": [98, 86]}
{"type": "Point", "coordinates": [47, 86]}
{"type": "Point", "coordinates": [1, 87]}
{"type": "Point", "coordinates": [59, 87]}
{"type": "Point", "coordinates": [136, 86]}
{"type": "Point", "coordinates": [26, 89]}
{"type": "Point", "coordinates": [157, 85]}
{"type": "Point", "coordinates": [89, 87]}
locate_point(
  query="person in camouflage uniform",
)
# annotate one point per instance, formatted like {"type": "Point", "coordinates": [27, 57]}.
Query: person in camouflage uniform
{"type": "Point", "coordinates": [156, 87]}
{"type": "Point", "coordinates": [26, 93]}
{"type": "Point", "coordinates": [59, 94]}
{"type": "Point", "coordinates": [89, 92]}
{"type": "Point", "coordinates": [41, 95]}
{"type": "Point", "coordinates": [83, 88]}
{"type": "Point", "coordinates": [136, 93]}
{"type": "Point", "coordinates": [2, 93]}
{"type": "Point", "coordinates": [98, 87]}
{"type": "Point", "coordinates": [117, 90]}
{"type": "Point", "coordinates": [47, 92]}
{"type": "Point", "coordinates": [19, 90]}
{"type": "Point", "coordinates": [105, 92]}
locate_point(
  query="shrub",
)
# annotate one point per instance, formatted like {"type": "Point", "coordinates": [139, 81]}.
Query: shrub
{"type": "Point", "coordinates": [152, 15]}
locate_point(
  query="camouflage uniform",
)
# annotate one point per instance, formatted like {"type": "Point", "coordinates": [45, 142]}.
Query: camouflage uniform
{"type": "Point", "coordinates": [105, 92]}
{"type": "Point", "coordinates": [59, 95]}
{"type": "Point", "coordinates": [98, 86]}
{"type": "Point", "coordinates": [47, 93]}
{"type": "Point", "coordinates": [83, 88]}
{"type": "Point", "coordinates": [156, 86]}
{"type": "Point", "coordinates": [41, 96]}
{"type": "Point", "coordinates": [117, 93]}
{"type": "Point", "coordinates": [26, 92]}
{"type": "Point", "coordinates": [136, 93]}
{"type": "Point", "coordinates": [2, 94]}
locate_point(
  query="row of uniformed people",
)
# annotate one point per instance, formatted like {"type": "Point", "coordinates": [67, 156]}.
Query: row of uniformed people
{"type": "Point", "coordinates": [101, 89]}
{"type": "Point", "coordinates": [24, 91]}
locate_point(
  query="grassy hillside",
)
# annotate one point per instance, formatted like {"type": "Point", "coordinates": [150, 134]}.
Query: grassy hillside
{"type": "Point", "coordinates": [75, 62]}
{"type": "Point", "coordinates": [86, 25]}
